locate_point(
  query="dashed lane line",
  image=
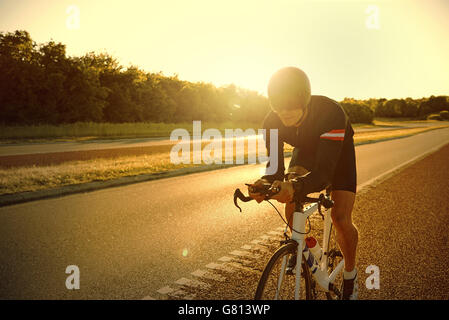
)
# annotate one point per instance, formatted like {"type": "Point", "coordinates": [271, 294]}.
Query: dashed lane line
{"type": "Point", "coordinates": [235, 260]}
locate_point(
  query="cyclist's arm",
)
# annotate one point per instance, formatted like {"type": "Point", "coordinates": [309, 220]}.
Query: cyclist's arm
{"type": "Point", "coordinates": [328, 154]}
{"type": "Point", "coordinates": [279, 175]}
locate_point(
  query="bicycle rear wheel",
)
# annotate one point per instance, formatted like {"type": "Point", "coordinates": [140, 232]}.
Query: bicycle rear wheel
{"type": "Point", "coordinates": [276, 284]}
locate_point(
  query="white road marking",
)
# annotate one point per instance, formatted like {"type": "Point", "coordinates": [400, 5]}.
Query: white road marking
{"type": "Point", "coordinates": [219, 266]}
{"type": "Point", "coordinates": [199, 273]}
{"type": "Point", "coordinates": [165, 290]}
{"type": "Point", "coordinates": [240, 253]}
{"type": "Point", "coordinates": [178, 294]}
{"type": "Point", "coordinates": [191, 283]}
{"type": "Point", "coordinates": [208, 275]}
{"type": "Point", "coordinates": [225, 259]}
{"type": "Point", "coordinates": [213, 265]}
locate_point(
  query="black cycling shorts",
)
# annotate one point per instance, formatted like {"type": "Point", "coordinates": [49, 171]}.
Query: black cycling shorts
{"type": "Point", "coordinates": [345, 176]}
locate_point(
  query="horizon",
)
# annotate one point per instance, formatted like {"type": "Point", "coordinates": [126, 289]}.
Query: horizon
{"type": "Point", "coordinates": [363, 50]}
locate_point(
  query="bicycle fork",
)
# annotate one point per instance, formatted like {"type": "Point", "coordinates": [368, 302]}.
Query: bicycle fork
{"type": "Point", "coordinates": [297, 272]}
{"type": "Point", "coordinates": [317, 268]}
{"type": "Point", "coordinates": [298, 232]}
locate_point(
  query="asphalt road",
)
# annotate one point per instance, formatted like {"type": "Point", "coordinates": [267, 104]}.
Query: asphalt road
{"type": "Point", "coordinates": [130, 241]}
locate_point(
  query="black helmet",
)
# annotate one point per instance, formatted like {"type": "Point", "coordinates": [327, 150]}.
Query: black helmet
{"type": "Point", "coordinates": [289, 82]}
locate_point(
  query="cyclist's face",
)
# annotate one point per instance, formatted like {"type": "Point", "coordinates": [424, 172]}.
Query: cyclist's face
{"type": "Point", "coordinates": [289, 110]}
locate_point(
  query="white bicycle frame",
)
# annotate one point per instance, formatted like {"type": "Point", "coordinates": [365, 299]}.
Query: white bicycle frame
{"type": "Point", "coordinates": [318, 268]}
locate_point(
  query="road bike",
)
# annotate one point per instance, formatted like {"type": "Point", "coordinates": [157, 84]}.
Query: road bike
{"type": "Point", "coordinates": [317, 274]}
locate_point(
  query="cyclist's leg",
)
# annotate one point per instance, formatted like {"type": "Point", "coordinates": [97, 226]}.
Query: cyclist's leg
{"type": "Point", "coordinates": [343, 193]}
{"type": "Point", "coordinates": [289, 209]}
{"type": "Point", "coordinates": [347, 234]}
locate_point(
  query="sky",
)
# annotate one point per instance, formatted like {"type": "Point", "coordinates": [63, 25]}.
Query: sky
{"type": "Point", "coordinates": [349, 48]}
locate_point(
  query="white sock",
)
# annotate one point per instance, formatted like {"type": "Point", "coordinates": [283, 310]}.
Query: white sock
{"type": "Point", "coordinates": [349, 275]}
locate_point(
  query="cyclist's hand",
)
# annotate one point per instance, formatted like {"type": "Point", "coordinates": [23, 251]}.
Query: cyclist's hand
{"type": "Point", "coordinates": [257, 196]}
{"type": "Point", "coordinates": [286, 192]}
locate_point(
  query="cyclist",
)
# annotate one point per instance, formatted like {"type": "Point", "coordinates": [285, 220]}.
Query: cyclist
{"type": "Point", "coordinates": [323, 156]}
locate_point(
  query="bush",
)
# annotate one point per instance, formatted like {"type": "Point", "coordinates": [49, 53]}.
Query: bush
{"type": "Point", "coordinates": [358, 113]}
{"type": "Point", "coordinates": [444, 114]}
{"type": "Point", "coordinates": [434, 117]}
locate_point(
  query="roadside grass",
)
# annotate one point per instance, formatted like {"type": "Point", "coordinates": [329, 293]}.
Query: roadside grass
{"type": "Point", "coordinates": [84, 131]}
{"type": "Point", "coordinates": [33, 178]}
{"type": "Point", "coordinates": [399, 119]}
{"type": "Point", "coordinates": [367, 137]}
{"type": "Point", "coordinates": [391, 122]}
{"type": "Point", "coordinates": [38, 178]}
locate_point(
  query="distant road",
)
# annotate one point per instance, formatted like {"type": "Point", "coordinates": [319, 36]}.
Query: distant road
{"type": "Point", "coordinates": [48, 147]}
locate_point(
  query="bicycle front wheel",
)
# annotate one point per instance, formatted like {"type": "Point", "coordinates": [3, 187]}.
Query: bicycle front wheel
{"type": "Point", "coordinates": [276, 284]}
{"type": "Point", "coordinates": [335, 257]}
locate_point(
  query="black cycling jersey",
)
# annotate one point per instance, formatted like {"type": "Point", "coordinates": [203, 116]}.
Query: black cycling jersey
{"type": "Point", "coordinates": [319, 140]}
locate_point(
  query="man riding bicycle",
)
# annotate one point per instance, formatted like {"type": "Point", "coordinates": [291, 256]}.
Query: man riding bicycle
{"type": "Point", "coordinates": [323, 156]}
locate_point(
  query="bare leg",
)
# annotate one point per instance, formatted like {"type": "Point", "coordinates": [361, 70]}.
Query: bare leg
{"type": "Point", "coordinates": [289, 209]}
{"type": "Point", "coordinates": [347, 234]}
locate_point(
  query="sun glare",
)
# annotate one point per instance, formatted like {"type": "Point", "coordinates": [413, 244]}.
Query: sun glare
{"type": "Point", "coordinates": [349, 48]}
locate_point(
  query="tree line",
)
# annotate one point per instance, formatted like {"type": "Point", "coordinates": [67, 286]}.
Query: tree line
{"type": "Point", "coordinates": [40, 84]}
{"type": "Point", "coordinates": [365, 110]}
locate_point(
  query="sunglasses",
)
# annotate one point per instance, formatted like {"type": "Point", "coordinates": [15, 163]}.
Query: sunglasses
{"type": "Point", "coordinates": [284, 103]}
{"type": "Point", "coordinates": [281, 108]}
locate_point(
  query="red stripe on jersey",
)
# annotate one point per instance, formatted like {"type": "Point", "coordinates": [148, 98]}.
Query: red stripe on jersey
{"type": "Point", "coordinates": [337, 131]}
{"type": "Point", "coordinates": [333, 138]}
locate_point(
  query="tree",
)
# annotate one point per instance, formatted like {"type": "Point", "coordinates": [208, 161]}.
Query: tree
{"type": "Point", "coordinates": [410, 108]}
{"type": "Point", "coordinates": [433, 105]}
{"type": "Point", "coordinates": [19, 76]}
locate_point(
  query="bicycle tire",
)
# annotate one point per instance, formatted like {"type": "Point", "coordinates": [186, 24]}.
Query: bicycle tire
{"type": "Point", "coordinates": [334, 249]}
{"type": "Point", "coordinates": [267, 285]}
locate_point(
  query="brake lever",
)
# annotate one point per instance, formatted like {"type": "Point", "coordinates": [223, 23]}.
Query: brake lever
{"type": "Point", "coordinates": [239, 195]}
{"type": "Point", "coordinates": [320, 201]}
{"type": "Point", "coordinates": [323, 201]}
